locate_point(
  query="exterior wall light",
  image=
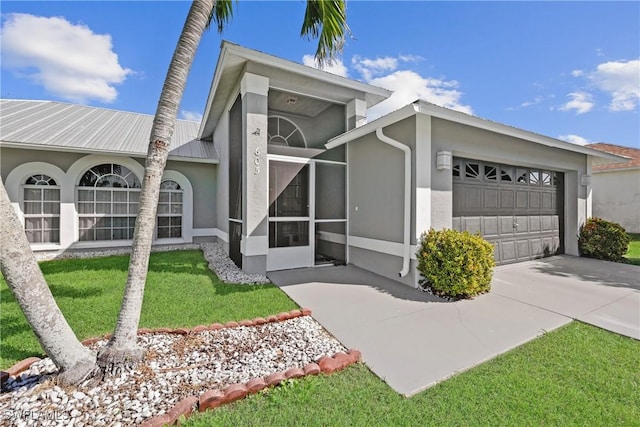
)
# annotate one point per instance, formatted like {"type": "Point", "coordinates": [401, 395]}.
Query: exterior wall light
{"type": "Point", "coordinates": [585, 180]}
{"type": "Point", "coordinates": [443, 160]}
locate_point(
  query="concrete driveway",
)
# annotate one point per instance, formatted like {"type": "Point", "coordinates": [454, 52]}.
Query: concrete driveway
{"type": "Point", "coordinates": [413, 340]}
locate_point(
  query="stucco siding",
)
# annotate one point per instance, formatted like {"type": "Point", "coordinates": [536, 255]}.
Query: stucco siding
{"type": "Point", "coordinates": [616, 197]}
{"type": "Point", "coordinates": [10, 158]}
{"type": "Point", "coordinates": [221, 141]}
{"type": "Point", "coordinates": [376, 196]}
{"type": "Point", "coordinates": [203, 180]}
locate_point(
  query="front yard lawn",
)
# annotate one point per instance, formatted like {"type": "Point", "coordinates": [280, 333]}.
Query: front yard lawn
{"type": "Point", "coordinates": [633, 252]}
{"type": "Point", "coordinates": [577, 375]}
{"type": "Point", "coordinates": [181, 291]}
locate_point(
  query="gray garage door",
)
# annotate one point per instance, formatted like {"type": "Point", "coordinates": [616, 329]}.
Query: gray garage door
{"type": "Point", "coordinates": [518, 209]}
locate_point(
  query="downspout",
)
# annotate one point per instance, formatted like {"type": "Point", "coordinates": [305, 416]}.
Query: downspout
{"type": "Point", "coordinates": [406, 252]}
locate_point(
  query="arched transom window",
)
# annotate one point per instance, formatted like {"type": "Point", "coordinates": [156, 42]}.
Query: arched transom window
{"type": "Point", "coordinates": [42, 209]}
{"type": "Point", "coordinates": [284, 132]}
{"type": "Point", "coordinates": [169, 222]}
{"type": "Point", "coordinates": [107, 200]}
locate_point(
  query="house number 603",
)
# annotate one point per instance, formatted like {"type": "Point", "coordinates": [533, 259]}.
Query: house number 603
{"type": "Point", "coordinates": [257, 161]}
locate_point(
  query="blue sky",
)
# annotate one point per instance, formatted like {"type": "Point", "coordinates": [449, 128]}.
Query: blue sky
{"type": "Point", "coordinates": [569, 70]}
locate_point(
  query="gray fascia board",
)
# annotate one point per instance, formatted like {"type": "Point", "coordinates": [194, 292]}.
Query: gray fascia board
{"type": "Point", "coordinates": [433, 110]}
{"type": "Point", "coordinates": [62, 149]}
{"type": "Point", "coordinates": [384, 121]}
{"type": "Point", "coordinates": [480, 123]}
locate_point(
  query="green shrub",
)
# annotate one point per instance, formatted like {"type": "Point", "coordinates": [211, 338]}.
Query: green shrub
{"type": "Point", "coordinates": [455, 264]}
{"type": "Point", "coordinates": [603, 239]}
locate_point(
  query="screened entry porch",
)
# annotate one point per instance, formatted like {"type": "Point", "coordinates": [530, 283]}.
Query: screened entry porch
{"type": "Point", "coordinates": [307, 217]}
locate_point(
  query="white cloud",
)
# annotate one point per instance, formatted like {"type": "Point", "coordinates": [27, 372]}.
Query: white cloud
{"type": "Point", "coordinates": [621, 80]}
{"type": "Point", "coordinates": [407, 86]}
{"type": "Point", "coordinates": [68, 60]}
{"type": "Point", "coordinates": [575, 139]}
{"type": "Point", "coordinates": [577, 73]}
{"type": "Point", "coordinates": [537, 100]}
{"type": "Point", "coordinates": [581, 102]}
{"type": "Point", "coordinates": [369, 68]}
{"type": "Point", "coordinates": [334, 67]}
{"type": "Point", "coordinates": [193, 116]}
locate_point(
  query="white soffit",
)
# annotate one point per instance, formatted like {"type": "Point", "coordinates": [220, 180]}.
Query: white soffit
{"type": "Point", "coordinates": [283, 75]}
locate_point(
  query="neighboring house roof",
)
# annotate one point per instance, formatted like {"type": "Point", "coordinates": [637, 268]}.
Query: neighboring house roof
{"type": "Point", "coordinates": [285, 76]}
{"type": "Point", "coordinates": [51, 125]}
{"type": "Point", "coordinates": [633, 154]}
{"type": "Point", "coordinates": [427, 108]}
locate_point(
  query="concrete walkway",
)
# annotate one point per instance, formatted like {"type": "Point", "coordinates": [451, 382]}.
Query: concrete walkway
{"type": "Point", "coordinates": [413, 340]}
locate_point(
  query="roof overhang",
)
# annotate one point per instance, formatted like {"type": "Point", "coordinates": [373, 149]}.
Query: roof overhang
{"type": "Point", "coordinates": [423, 107]}
{"type": "Point", "coordinates": [80, 150]}
{"type": "Point", "coordinates": [283, 75]}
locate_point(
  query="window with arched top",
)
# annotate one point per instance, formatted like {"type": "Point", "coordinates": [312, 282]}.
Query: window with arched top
{"type": "Point", "coordinates": [107, 201]}
{"type": "Point", "coordinates": [41, 207]}
{"type": "Point", "coordinates": [284, 132]}
{"type": "Point", "coordinates": [169, 221]}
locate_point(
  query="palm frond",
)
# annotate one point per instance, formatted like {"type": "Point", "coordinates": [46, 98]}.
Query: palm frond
{"type": "Point", "coordinates": [221, 14]}
{"type": "Point", "coordinates": [326, 20]}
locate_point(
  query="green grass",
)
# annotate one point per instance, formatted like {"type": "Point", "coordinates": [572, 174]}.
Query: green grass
{"type": "Point", "coordinates": [181, 292]}
{"type": "Point", "coordinates": [577, 375]}
{"type": "Point", "coordinates": [633, 252]}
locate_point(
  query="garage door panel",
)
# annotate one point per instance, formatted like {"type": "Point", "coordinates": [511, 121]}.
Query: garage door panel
{"type": "Point", "coordinates": [536, 247]}
{"type": "Point", "coordinates": [507, 251]}
{"type": "Point", "coordinates": [490, 227]}
{"type": "Point", "coordinates": [522, 249]}
{"type": "Point", "coordinates": [491, 198]}
{"type": "Point", "coordinates": [507, 199]}
{"type": "Point", "coordinates": [456, 224]}
{"type": "Point", "coordinates": [521, 200]}
{"type": "Point", "coordinates": [472, 224]}
{"type": "Point", "coordinates": [518, 209]}
{"type": "Point", "coordinates": [534, 200]}
{"type": "Point", "coordinates": [506, 225]}
{"type": "Point", "coordinates": [522, 224]}
{"type": "Point", "coordinates": [535, 224]}
{"type": "Point", "coordinates": [473, 198]}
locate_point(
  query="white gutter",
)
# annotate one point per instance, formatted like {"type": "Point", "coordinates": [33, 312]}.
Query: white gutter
{"type": "Point", "coordinates": [406, 252]}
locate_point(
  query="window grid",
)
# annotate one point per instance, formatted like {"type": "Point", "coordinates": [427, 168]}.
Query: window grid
{"type": "Point", "coordinates": [169, 221]}
{"type": "Point", "coordinates": [470, 170]}
{"type": "Point", "coordinates": [107, 202]}
{"type": "Point", "coordinates": [41, 207]}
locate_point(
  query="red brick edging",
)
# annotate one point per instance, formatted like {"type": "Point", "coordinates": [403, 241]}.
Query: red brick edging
{"type": "Point", "coordinates": [211, 399]}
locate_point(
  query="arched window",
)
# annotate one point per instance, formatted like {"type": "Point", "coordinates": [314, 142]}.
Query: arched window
{"type": "Point", "coordinates": [169, 222]}
{"type": "Point", "coordinates": [41, 209]}
{"type": "Point", "coordinates": [284, 132]}
{"type": "Point", "coordinates": [107, 200]}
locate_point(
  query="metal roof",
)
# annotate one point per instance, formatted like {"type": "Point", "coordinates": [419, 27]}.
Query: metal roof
{"type": "Point", "coordinates": [51, 125]}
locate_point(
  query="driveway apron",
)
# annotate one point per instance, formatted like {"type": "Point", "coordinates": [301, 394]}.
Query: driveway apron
{"type": "Point", "coordinates": [413, 340]}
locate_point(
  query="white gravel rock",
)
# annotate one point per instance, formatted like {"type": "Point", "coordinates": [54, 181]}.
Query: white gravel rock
{"type": "Point", "coordinates": [177, 366]}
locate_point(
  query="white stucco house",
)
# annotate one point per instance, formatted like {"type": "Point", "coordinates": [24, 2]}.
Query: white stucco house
{"type": "Point", "coordinates": [285, 172]}
{"type": "Point", "coordinates": [616, 187]}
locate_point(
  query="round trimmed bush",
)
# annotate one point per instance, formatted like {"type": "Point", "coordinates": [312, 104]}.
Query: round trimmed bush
{"type": "Point", "coordinates": [603, 239]}
{"type": "Point", "coordinates": [455, 264]}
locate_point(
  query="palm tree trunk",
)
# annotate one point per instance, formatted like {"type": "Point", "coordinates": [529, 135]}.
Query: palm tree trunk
{"type": "Point", "coordinates": [22, 273]}
{"type": "Point", "coordinates": [122, 350]}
